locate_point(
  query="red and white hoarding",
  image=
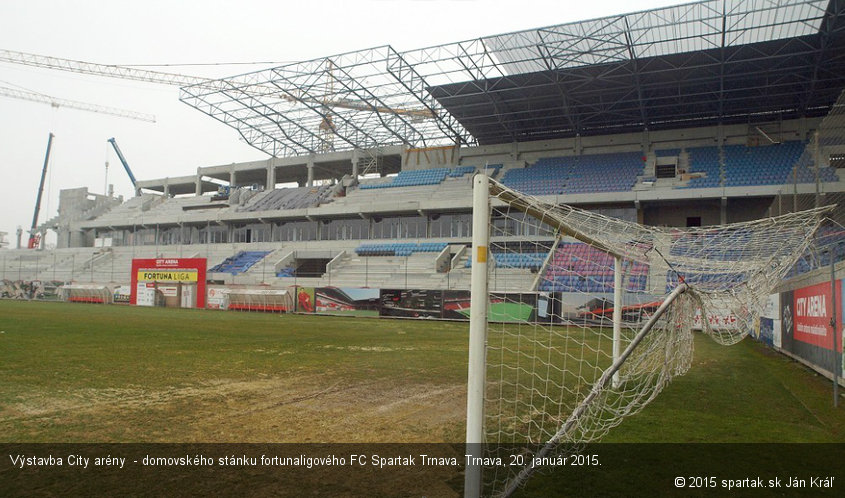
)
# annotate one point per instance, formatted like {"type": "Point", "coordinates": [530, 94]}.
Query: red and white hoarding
{"type": "Point", "coordinates": [813, 310]}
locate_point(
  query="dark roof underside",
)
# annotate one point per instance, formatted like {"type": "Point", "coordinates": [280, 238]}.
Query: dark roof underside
{"type": "Point", "coordinates": [782, 79]}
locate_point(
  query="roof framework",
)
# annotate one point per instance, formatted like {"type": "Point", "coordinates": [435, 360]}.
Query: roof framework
{"type": "Point", "coordinates": [708, 62]}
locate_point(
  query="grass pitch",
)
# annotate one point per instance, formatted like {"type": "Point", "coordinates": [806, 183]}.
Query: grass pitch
{"type": "Point", "coordinates": [88, 373]}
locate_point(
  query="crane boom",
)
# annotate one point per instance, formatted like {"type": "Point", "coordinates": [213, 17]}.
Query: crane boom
{"type": "Point", "coordinates": [123, 161]}
{"type": "Point", "coordinates": [419, 113]}
{"type": "Point", "coordinates": [34, 239]}
{"type": "Point", "coordinates": [122, 72]}
{"type": "Point", "coordinates": [73, 104]}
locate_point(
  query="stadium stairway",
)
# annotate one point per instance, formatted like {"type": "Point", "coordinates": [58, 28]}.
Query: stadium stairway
{"type": "Point", "coordinates": [134, 208]}
{"type": "Point", "coordinates": [85, 264]}
{"type": "Point", "coordinates": [264, 270]}
{"type": "Point", "coordinates": [288, 198]}
{"type": "Point", "coordinates": [503, 278]}
{"type": "Point", "coordinates": [388, 272]}
{"type": "Point", "coordinates": [447, 190]}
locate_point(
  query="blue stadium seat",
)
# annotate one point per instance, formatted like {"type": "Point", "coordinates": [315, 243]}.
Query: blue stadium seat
{"type": "Point", "coordinates": [704, 160]}
{"type": "Point", "coordinates": [615, 172]}
{"type": "Point", "coordinates": [240, 262]}
{"type": "Point", "coordinates": [762, 165]}
{"type": "Point", "coordinates": [412, 178]}
{"type": "Point", "coordinates": [399, 249]}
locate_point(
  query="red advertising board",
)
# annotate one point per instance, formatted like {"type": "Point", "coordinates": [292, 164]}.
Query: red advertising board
{"type": "Point", "coordinates": [169, 270]}
{"type": "Point", "coordinates": [812, 311]}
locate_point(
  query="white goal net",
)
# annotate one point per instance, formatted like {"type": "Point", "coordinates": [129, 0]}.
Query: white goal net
{"type": "Point", "coordinates": [588, 317]}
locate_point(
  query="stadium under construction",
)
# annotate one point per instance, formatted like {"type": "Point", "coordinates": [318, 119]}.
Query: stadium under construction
{"type": "Point", "coordinates": [586, 195]}
{"type": "Point", "coordinates": [705, 113]}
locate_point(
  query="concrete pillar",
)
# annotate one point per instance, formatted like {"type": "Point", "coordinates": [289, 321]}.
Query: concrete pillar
{"type": "Point", "coordinates": [62, 237]}
{"type": "Point", "coordinates": [271, 175]}
{"type": "Point", "coordinates": [232, 177]}
{"type": "Point", "coordinates": [310, 165]}
{"type": "Point", "coordinates": [198, 188]}
{"type": "Point", "coordinates": [355, 163]}
{"type": "Point", "coordinates": [167, 187]}
{"type": "Point", "coordinates": [817, 162]}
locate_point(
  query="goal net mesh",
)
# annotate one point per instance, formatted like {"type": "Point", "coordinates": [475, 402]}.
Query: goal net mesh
{"type": "Point", "coordinates": [554, 292]}
{"type": "Point", "coordinates": [813, 183]}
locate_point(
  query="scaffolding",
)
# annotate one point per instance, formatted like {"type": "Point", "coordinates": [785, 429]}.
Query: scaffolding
{"type": "Point", "coordinates": [697, 64]}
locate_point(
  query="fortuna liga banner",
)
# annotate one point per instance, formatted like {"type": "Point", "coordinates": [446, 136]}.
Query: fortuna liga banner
{"type": "Point", "coordinates": [170, 270]}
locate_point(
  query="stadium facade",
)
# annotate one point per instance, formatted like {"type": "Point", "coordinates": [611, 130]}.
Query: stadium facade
{"type": "Point", "coordinates": [705, 113]}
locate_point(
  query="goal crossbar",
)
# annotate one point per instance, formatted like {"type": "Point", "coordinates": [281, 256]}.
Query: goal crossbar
{"type": "Point", "coordinates": [519, 202]}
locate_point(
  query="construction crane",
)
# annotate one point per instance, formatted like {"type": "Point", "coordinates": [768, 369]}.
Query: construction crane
{"type": "Point", "coordinates": [34, 237]}
{"type": "Point", "coordinates": [121, 72]}
{"type": "Point", "coordinates": [326, 130]}
{"type": "Point", "coordinates": [16, 93]}
{"type": "Point", "coordinates": [416, 114]}
{"type": "Point", "coordinates": [159, 77]}
{"type": "Point", "coordinates": [123, 161]}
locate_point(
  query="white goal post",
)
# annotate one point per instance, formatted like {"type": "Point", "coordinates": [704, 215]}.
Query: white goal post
{"type": "Point", "coordinates": [579, 320]}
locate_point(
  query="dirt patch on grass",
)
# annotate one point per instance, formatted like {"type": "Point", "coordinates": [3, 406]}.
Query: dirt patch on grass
{"type": "Point", "coordinates": [373, 349]}
{"type": "Point", "coordinates": [305, 408]}
{"type": "Point", "coordinates": [315, 409]}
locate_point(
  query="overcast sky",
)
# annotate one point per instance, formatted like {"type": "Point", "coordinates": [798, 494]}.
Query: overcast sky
{"type": "Point", "coordinates": [191, 32]}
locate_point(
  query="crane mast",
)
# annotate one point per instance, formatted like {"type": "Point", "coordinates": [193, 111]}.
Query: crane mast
{"type": "Point", "coordinates": [35, 238]}
{"type": "Point", "coordinates": [123, 162]}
